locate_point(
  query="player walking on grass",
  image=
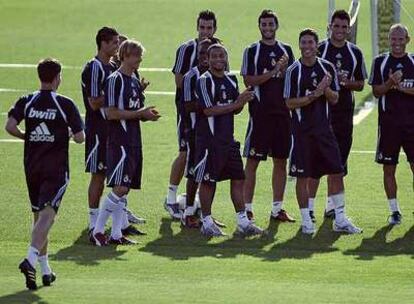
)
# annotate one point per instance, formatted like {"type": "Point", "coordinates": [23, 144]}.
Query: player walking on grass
{"type": "Point", "coordinates": [186, 58]}
{"type": "Point", "coordinates": [269, 131]}
{"type": "Point", "coordinates": [50, 119]}
{"type": "Point", "coordinates": [392, 80]}
{"type": "Point", "coordinates": [311, 85]}
{"type": "Point", "coordinates": [349, 64]}
{"type": "Point", "coordinates": [217, 153]}
{"type": "Point", "coordinates": [124, 109]}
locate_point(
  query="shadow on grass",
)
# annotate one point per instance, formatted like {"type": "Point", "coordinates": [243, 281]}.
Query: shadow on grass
{"type": "Point", "coordinates": [191, 244]}
{"type": "Point", "coordinates": [377, 245]}
{"type": "Point", "coordinates": [83, 253]}
{"type": "Point", "coordinates": [303, 246]}
{"type": "Point", "coordinates": [22, 297]}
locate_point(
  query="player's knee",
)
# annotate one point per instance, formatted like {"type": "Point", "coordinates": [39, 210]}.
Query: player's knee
{"type": "Point", "coordinates": [252, 165]}
{"type": "Point", "coordinates": [279, 164]}
{"type": "Point", "coordinates": [120, 190]}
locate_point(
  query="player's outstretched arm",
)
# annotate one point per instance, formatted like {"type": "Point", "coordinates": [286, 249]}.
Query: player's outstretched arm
{"type": "Point", "coordinates": [144, 114]}
{"type": "Point", "coordinates": [13, 129]}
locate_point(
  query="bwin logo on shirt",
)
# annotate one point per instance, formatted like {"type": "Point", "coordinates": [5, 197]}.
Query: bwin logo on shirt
{"type": "Point", "coordinates": [49, 114]}
{"type": "Point", "coordinates": [41, 133]}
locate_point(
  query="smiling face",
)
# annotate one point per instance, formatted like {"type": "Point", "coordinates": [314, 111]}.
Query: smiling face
{"type": "Point", "coordinates": [398, 39]}
{"type": "Point", "coordinates": [268, 28]}
{"type": "Point", "coordinates": [217, 59]}
{"type": "Point", "coordinates": [308, 46]}
{"type": "Point", "coordinates": [339, 29]}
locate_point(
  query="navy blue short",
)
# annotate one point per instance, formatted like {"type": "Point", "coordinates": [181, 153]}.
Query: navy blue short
{"type": "Point", "coordinates": [95, 152]}
{"type": "Point", "coordinates": [314, 154]}
{"type": "Point", "coordinates": [392, 136]}
{"type": "Point", "coordinates": [217, 163]}
{"type": "Point", "coordinates": [267, 135]}
{"type": "Point", "coordinates": [191, 155]}
{"type": "Point", "coordinates": [46, 189]}
{"type": "Point", "coordinates": [124, 166]}
{"type": "Point", "coordinates": [342, 125]}
{"type": "Point", "coordinates": [181, 122]}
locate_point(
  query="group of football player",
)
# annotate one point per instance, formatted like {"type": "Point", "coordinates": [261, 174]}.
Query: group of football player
{"type": "Point", "coordinates": [301, 110]}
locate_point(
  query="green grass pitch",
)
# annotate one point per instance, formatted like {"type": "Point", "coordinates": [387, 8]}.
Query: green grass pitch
{"type": "Point", "coordinates": [170, 265]}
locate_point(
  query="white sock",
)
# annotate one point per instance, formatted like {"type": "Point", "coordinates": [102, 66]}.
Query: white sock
{"type": "Point", "coordinates": [172, 194]}
{"type": "Point", "coordinates": [32, 256]}
{"type": "Point", "coordinates": [44, 264]}
{"type": "Point", "coordinates": [118, 219]}
{"type": "Point", "coordinates": [242, 219]}
{"type": "Point", "coordinates": [311, 203]}
{"type": "Point", "coordinates": [329, 204]}
{"type": "Point", "coordinates": [108, 206]}
{"type": "Point", "coordinates": [339, 203]}
{"type": "Point", "coordinates": [276, 207]}
{"type": "Point", "coordinates": [207, 221]}
{"type": "Point", "coordinates": [249, 207]}
{"type": "Point", "coordinates": [189, 210]}
{"type": "Point", "coordinates": [125, 222]}
{"type": "Point", "coordinates": [93, 216]}
{"type": "Point", "coordinates": [305, 215]}
{"type": "Point", "coordinates": [393, 204]}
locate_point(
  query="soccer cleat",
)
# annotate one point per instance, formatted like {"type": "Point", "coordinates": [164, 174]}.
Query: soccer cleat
{"type": "Point", "coordinates": [250, 215]}
{"type": "Point", "coordinates": [191, 222]}
{"type": "Point", "coordinates": [346, 226]}
{"type": "Point", "coordinates": [173, 210]}
{"type": "Point", "coordinates": [282, 216]}
{"type": "Point", "coordinates": [249, 230]}
{"type": "Point", "coordinates": [312, 216]}
{"type": "Point", "coordinates": [131, 230]}
{"type": "Point", "coordinates": [122, 241]}
{"type": "Point", "coordinates": [211, 231]}
{"type": "Point", "coordinates": [329, 214]}
{"type": "Point", "coordinates": [100, 239]}
{"type": "Point", "coordinates": [90, 235]}
{"type": "Point", "coordinates": [308, 228]}
{"type": "Point", "coordinates": [48, 279]}
{"type": "Point", "coordinates": [395, 218]}
{"type": "Point", "coordinates": [135, 219]}
{"type": "Point", "coordinates": [218, 223]}
{"type": "Point", "coordinates": [29, 273]}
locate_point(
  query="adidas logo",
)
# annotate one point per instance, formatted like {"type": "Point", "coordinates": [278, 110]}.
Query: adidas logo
{"type": "Point", "coordinates": [223, 87]}
{"type": "Point", "coordinates": [49, 114]}
{"type": "Point", "coordinates": [313, 74]}
{"type": "Point", "coordinates": [338, 56]}
{"type": "Point", "coordinates": [399, 66]}
{"type": "Point", "coordinates": [272, 54]}
{"type": "Point", "coordinates": [41, 133]}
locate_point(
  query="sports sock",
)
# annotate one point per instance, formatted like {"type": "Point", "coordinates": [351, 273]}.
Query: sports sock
{"type": "Point", "coordinates": [276, 207]}
{"type": "Point", "coordinates": [304, 212]}
{"type": "Point", "coordinates": [249, 207]}
{"type": "Point", "coordinates": [242, 219]}
{"type": "Point", "coordinates": [339, 203]}
{"type": "Point", "coordinates": [172, 194]}
{"type": "Point", "coordinates": [393, 204]}
{"type": "Point", "coordinates": [32, 256]}
{"type": "Point", "coordinates": [44, 264]}
{"type": "Point", "coordinates": [93, 216]}
{"type": "Point", "coordinates": [108, 206]}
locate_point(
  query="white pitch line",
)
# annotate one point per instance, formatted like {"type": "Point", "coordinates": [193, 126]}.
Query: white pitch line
{"type": "Point", "coordinates": [71, 67]}
{"type": "Point", "coordinates": [6, 90]}
{"type": "Point", "coordinates": [363, 113]}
